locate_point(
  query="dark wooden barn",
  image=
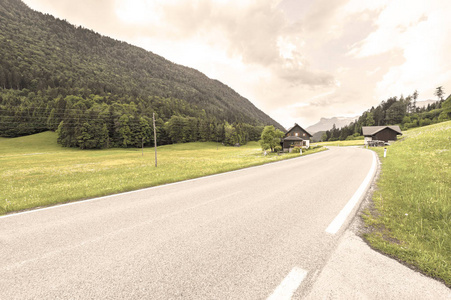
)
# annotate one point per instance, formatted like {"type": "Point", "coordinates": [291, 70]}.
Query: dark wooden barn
{"type": "Point", "coordinates": [381, 133]}
{"type": "Point", "coordinates": [296, 136]}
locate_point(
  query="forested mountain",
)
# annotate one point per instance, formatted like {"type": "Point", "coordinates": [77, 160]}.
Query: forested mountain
{"type": "Point", "coordinates": [53, 74]}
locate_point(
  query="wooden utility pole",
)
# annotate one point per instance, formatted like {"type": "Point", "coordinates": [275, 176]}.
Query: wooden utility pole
{"type": "Point", "coordinates": [155, 138]}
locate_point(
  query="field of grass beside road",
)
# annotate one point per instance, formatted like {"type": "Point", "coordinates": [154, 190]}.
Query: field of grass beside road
{"type": "Point", "coordinates": [35, 171]}
{"type": "Point", "coordinates": [411, 217]}
{"type": "Point", "coordinates": [341, 143]}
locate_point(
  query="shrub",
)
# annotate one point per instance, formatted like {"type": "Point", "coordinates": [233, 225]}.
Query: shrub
{"type": "Point", "coordinates": [264, 145]}
{"type": "Point", "coordinates": [277, 148]}
{"type": "Point", "coordinates": [425, 122]}
{"type": "Point", "coordinates": [296, 149]}
{"type": "Point", "coordinates": [355, 137]}
{"type": "Point", "coordinates": [443, 116]}
{"type": "Point", "coordinates": [411, 125]}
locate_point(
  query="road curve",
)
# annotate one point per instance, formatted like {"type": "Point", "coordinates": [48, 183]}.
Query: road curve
{"type": "Point", "coordinates": [231, 236]}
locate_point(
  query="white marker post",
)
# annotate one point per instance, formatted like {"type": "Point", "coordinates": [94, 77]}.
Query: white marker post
{"type": "Point", "coordinates": [155, 139]}
{"type": "Point", "coordinates": [385, 152]}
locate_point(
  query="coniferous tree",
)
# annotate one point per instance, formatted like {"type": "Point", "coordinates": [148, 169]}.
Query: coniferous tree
{"type": "Point", "coordinates": [439, 92]}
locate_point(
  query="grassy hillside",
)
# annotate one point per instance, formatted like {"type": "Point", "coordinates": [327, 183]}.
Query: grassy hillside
{"type": "Point", "coordinates": [411, 218]}
{"type": "Point", "coordinates": [42, 142]}
{"type": "Point", "coordinates": [35, 171]}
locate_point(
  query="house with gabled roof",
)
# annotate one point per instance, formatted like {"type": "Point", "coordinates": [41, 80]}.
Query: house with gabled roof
{"type": "Point", "coordinates": [296, 136]}
{"type": "Point", "coordinates": [381, 133]}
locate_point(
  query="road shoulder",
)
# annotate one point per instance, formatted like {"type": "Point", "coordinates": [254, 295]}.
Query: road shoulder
{"type": "Point", "coordinates": [356, 271]}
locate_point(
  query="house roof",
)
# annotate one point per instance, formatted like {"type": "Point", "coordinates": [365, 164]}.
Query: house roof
{"type": "Point", "coordinates": [293, 138]}
{"type": "Point", "coordinates": [372, 130]}
{"type": "Point", "coordinates": [296, 124]}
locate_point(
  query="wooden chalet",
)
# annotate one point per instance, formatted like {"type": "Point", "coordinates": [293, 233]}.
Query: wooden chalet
{"type": "Point", "coordinates": [381, 133]}
{"type": "Point", "coordinates": [296, 136]}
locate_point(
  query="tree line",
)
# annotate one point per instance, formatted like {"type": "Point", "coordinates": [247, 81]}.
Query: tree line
{"type": "Point", "coordinates": [93, 121]}
{"type": "Point", "coordinates": [402, 111]}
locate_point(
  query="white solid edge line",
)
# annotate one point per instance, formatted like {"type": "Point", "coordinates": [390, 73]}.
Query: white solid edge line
{"type": "Point", "coordinates": [289, 285]}
{"type": "Point", "coordinates": [141, 190]}
{"type": "Point", "coordinates": [336, 224]}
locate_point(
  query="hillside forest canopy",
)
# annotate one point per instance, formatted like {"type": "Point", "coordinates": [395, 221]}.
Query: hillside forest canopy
{"type": "Point", "coordinates": [97, 92]}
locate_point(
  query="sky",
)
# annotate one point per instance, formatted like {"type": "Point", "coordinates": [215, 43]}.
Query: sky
{"type": "Point", "coordinates": [297, 60]}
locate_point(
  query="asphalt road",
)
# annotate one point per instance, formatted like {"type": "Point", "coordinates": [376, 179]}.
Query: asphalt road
{"type": "Point", "coordinates": [249, 234]}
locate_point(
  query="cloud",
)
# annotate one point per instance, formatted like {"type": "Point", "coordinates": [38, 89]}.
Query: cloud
{"type": "Point", "coordinates": [247, 29]}
{"type": "Point", "coordinates": [322, 16]}
{"type": "Point", "coordinates": [419, 34]}
{"type": "Point", "coordinates": [254, 32]}
{"type": "Point", "coordinates": [90, 14]}
{"type": "Point", "coordinates": [302, 76]}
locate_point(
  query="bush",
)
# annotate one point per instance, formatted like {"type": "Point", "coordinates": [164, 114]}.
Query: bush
{"type": "Point", "coordinates": [411, 125]}
{"type": "Point", "coordinates": [425, 122]}
{"type": "Point", "coordinates": [443, 116]}
{"type": "Point", "coordinates": [296, 150]}
{"type": "Point", "coordinates": [277, 148]}
{"type": "Point", "coordinates": [355, 137]}
{"type": "Point", "coordinates": [264, 145]}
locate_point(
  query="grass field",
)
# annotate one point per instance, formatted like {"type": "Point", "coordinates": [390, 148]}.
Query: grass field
{"type": "Point", "coordinates": [411, 218]}
{"type": "Point", "coordinates": [35, 171]}
{"type": "Point", "coordinates": [341, 143]}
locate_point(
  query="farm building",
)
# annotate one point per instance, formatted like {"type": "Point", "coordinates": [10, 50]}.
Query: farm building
{"type": "Point", "coordinates": [296, 136]}
{"type": "Point", "coordinates": [381, 133]}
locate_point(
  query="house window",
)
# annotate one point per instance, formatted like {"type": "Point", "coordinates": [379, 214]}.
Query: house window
{"type": "Point", "coordinates": [303, 134]}
{"type": "Point", "coordinates": [296, 134]}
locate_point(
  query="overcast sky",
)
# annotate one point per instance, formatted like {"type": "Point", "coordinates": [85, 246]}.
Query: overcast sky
{"type": "Point", "coordinates": [297, 60]}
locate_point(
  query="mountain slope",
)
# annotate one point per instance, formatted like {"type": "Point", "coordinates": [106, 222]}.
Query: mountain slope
{"type": "Point", "coordinates": [40, 52]}
{"type": "Point", "coordinates": [317, 136]}
{"type": "Point", "coordinates": [327, 123]}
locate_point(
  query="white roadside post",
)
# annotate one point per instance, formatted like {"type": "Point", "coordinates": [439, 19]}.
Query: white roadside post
{"type": "Point", "coordinates": [385, 152]}
{"type": "Point", "coordinates": [155, 139]}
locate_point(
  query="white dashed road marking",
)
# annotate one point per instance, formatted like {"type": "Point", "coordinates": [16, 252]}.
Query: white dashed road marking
{"type": "Point", "coordinates": [289, 285]}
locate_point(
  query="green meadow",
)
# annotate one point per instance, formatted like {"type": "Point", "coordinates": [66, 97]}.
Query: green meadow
{"type": "Point", "coordinates": [35, 171]}
{"type": "Point", "coordinates": [341, 143]}
{"type": "Point", "coordinates": [411, 217]}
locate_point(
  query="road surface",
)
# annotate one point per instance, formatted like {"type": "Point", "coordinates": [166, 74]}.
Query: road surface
{"type": "Point", "coordinates": [257, 233]}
